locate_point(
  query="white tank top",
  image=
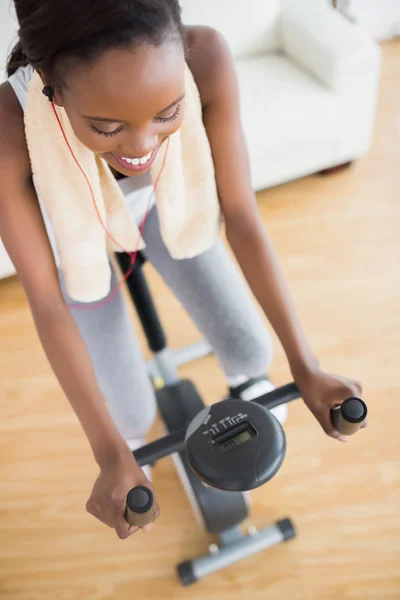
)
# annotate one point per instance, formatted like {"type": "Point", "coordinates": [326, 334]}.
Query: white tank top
{"type": "Point", "coordinates": [137, 190]}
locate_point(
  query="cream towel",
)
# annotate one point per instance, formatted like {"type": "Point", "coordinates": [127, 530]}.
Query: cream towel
{"type": "Point", "coordinates": [186, 194]}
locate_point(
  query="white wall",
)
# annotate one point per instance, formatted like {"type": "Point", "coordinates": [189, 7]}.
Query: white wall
{"type": "Point", "coordinates": [380, 18]}
{"type": "Point", "coordinates": [8, 32]}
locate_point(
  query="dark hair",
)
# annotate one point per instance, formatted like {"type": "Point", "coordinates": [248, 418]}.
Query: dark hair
{"type": "Point", "coordinates": [51, 30]}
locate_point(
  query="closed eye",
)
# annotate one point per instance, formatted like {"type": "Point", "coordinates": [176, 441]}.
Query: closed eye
{"type": "Point", "coordinates": [171, 118]}
{"type": "Point", "coordinates": [106, 133]}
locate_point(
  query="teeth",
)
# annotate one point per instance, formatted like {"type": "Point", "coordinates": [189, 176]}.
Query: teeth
{"type": "Point", "coordinates": [137, 161]}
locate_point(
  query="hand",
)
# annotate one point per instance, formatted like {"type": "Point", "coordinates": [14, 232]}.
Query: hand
{"type": "Point", "coordinates": [322, 391]}
{"type": "Point", "coordinates": [107, 501]}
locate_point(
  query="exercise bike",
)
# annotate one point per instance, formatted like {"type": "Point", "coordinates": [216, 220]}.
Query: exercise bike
{"type": "Point", "coordinates": [220, 451]}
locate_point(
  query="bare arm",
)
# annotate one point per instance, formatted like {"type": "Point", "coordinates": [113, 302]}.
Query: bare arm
{"type": "Point", "coordinates": [25, 239]}
{"type": "Point", "coordinates": [24, 236]}
{"type": "Point", "coordinates": [213, 68]}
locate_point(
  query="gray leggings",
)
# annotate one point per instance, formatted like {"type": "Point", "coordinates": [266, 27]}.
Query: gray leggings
{"type": "Point", "coordinates": [211, 290]}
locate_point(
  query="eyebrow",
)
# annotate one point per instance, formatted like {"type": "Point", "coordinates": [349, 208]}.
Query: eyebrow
{"type": "Point", "coordinates": [108, 120]}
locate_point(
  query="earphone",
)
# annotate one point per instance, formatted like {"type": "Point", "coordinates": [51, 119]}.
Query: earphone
{"type": "Point", "coordinates": [49, 93]}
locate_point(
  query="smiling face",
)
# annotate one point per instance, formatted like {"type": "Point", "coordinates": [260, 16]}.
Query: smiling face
{"type": "Point", "coordinates": [125, 104]}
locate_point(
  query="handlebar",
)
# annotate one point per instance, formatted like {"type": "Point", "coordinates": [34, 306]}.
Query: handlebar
{"type": "Point", "coordinates": [164, 446]}
{"type": "Point", "coordinates": [281, 395]}
{"type": "Point", "coordinates": [175, 442]}
{"type": "Point", "coordinates": [139, 506]}
{"type": "Point", "coordinates": [347, 419]}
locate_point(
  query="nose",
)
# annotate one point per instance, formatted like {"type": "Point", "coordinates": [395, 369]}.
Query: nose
{"type": "Point", "coordinates": [136, 148]}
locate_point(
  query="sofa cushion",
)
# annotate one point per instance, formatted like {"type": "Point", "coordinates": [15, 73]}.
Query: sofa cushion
{"type": "Point", "coordinates": [284, 110]}
{"type": "Point", "coordinates": [250, 28]}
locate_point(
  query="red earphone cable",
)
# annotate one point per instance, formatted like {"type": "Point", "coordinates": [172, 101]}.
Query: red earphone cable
{"type": "Point", "coordinates": [133, 255]}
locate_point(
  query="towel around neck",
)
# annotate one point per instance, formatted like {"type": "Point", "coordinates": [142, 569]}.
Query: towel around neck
{"type": "Point", "coordinates": [186, 195]}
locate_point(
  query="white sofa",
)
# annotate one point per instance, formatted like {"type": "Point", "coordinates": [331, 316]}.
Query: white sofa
{"type": "Point", "coordinates": [308, 83]}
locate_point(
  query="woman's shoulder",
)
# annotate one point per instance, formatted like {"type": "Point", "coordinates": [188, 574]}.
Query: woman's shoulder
{"type": "Point", "coordinates": [13, 145]}
{"type": "Point", "coordinates": [209, 58]}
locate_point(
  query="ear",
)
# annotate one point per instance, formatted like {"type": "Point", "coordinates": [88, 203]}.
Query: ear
{"type": "Point", "coordinates": [57, 97]}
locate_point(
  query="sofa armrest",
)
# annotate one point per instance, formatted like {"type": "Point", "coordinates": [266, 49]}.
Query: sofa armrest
{"type": "Point", "coordinates": [326, 44]}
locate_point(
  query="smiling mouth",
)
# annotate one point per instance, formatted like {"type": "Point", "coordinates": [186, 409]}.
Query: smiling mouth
{"type": "Point", "coordinates": [136, 164]}
{"type": "Point", "coordinates": [136, 161]}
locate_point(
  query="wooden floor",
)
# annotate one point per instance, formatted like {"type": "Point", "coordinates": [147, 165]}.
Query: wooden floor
{"type": "Point", "coordinates": [339, 242]}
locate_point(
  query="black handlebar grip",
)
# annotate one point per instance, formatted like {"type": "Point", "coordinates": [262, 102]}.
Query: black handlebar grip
{"type": "Point", "coordinates": [349, 416]}
{"type": "Point", "coordinates": [139, 506]}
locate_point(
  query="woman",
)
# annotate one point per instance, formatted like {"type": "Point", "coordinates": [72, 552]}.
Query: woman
{"type": "Point", "coordinates": [117, 68]}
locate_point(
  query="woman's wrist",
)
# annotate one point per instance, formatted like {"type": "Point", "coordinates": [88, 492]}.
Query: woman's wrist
{"type": "Point", "coordinates": [110, 448]}
{"type": "Point", "coordinates": [303, 364]}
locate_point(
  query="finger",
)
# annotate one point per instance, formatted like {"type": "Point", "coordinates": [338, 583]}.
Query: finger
{"type": "Point", "coordinates": [325, 420]}
{"type": "Point", "coordinates": [133, 529]}
{"type": "Point", "coordinates": [337, 436]}
{"type": "Point", "coordinates": [156, 514]}
{"type": "Point", "coordinates": [121, 525]}
{"type": "Point", "coordinates": [364, 425]}
{"type": "Point", "coordinates": [123, 529]}
{"type": "Point", "coordinates": [356, 388]}
{"type": "Point", "coordinates": [95, 510]}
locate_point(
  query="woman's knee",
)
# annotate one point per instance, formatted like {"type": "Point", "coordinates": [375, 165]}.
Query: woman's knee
{"type": "Point", "coordinates": [136, 424]}
{"type": "Point", "coordinates": [250, 354]}
{"type": "Point", "coordinates": [133, 413]}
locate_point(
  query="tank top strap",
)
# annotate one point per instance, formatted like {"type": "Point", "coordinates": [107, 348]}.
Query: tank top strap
{"type": "Point", "coordinates": [19, 81]}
